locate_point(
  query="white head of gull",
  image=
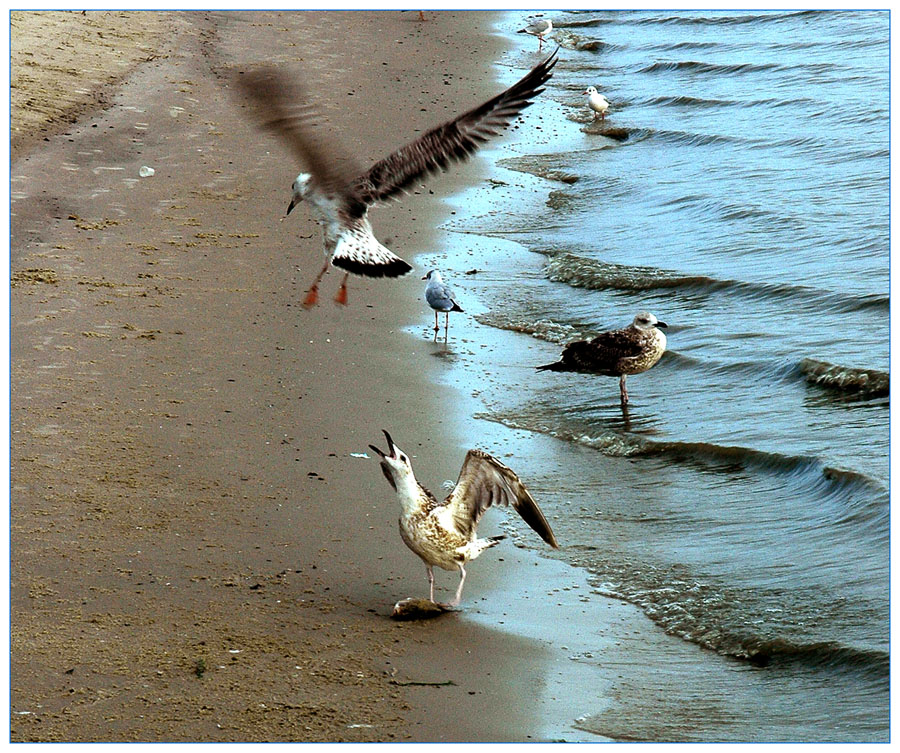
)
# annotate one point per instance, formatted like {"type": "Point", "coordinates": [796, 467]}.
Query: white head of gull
{"type": "Point", "coordinates": [443, 534]}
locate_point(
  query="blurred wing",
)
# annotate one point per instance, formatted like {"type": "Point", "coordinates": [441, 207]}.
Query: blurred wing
{"type": "Point", "coordinates": [281, 106]}
{"type": "Point", "coordinates": [451, 142]}
{"type": "Point", "coordinates": [484, 482]}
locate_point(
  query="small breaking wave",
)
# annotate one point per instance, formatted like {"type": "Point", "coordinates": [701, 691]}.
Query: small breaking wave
{"type": "Point", "coordinates": [699, 614]}
{"type": "Point", "coordinates": [542, 329]}
{"type": "Point", "coordinates": [868, 382]}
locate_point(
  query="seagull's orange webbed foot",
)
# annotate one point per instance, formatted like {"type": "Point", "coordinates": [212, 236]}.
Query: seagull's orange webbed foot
{"type": "Point", "coordinates": [341, 296]}
{"type": "Point", "coordinates": [312, 297]}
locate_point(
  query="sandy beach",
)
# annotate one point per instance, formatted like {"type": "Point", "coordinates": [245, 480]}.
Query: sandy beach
{"type": "Point", "coordinates": [196, 555]}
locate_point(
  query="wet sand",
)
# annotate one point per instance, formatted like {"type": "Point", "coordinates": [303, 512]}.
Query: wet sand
{"type": "Point", "coordinates": [196, 554]}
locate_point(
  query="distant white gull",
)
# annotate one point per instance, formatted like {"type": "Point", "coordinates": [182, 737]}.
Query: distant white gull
{"type": "Point", "coordinates": [341, 193]}
{"type": "Point", "coordinates": [443, 533]}
{"type": "Point", "coordinates": [597, 102]}
{"type": "Point", "coordinates": [440, 298]}
{"type": "Point", "coordinates": [617, 353]}
{"type": "Point", "coordinates": [540, 28]}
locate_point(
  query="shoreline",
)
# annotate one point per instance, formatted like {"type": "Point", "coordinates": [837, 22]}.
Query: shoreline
{"type": "Point", "coordinates": [199, 559]}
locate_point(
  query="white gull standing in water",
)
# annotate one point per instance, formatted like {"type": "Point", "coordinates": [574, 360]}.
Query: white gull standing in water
{"type": "Point", "coordinates": [539, 28]}
{"type": "Point", "coordinates": [443, 533]}
{"type": "Point", "coordinates": [597, 102]}
{"type": "Point", "coordinates": [341, 193]}
{"type": "Point", "coordinates": [440, 297]}
{"type": "Point", "coordinates": [617, 353]}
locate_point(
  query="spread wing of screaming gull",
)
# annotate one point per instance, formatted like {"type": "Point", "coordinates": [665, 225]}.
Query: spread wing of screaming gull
{"type": "Point", "coordinates": [443, 533]}
{"type": "Point", "coordinates": [341, 192]}
{"type": "Point", "coordinates": [619, 352]}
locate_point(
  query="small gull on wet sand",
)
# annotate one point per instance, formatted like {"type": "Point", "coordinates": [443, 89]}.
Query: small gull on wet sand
{"type": "Point", "coordinates": [540, 28]}
{"type": "Point", "coordinates": [616, 353]}
{"type": "Point", "coordinates": [341, 193]}
{"type": "Point", "coordinates": [597, 102]}
{"type": "Point", "coordinates": [440, 298]}
{"type": "Point", "coordinates": [443, 533]}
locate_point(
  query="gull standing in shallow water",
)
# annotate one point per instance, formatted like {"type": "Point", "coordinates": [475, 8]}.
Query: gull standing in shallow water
{"type": "Point", "coordinates": [440, 298]}
{"type": "Point", "coordinates": [617, 353]}
{"type": "Point", "coordinates": [597, 102]}
{"type": "Point", "coordinates": [539, 28]}
{"type": "Point", "coordinates": [341, 192]}
{"type": "Point", "coordinates": [443, 533]}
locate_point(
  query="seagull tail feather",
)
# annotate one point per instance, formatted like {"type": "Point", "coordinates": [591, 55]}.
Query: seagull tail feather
{"type": "Point", "coordinates": [358, 252]}
{"type": "Point", "coordinates": [557, 366]}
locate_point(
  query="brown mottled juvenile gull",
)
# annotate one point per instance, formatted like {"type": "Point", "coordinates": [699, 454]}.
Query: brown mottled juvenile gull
{"type": "Point", "coordinates": [443, 533]}
{"type": "Point", "coordinates": [341, 192]}
{"type": "Point", "coordinates": [617, 353]}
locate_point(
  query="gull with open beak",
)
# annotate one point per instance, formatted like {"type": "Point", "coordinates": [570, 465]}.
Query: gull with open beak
{"type": "Point", "coordinates": [443, 533]}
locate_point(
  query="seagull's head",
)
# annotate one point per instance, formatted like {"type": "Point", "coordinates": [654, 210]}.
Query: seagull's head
{"type": "Point", "coordinates": [590, 90]}
{"type": "Point", "coordinates": [646, 321]}
{"type": "Point", "coordinates": [299, 191]}
{"type": "Point", "coordinates": [433, 275]}
{"type": "Point", "coordinates": [395, 464]}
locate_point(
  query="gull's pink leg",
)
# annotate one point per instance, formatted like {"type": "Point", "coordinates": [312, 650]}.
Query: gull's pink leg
{"type": "Point", "coordinates": [436, 326]}
{"type": "Point", "coordinates": [430, 583]}
{"type": "Point", "coordinates": [462, 579]}
{"type": "Point", "coordinates": [622, 390]}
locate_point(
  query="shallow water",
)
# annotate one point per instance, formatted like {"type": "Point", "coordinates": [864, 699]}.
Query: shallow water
{"type": "Point", "coordinates": [741, 501]}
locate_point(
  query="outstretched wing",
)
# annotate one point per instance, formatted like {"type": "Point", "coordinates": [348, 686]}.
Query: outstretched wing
{"type": "Point", "coordinates": [453, 141]}
{"type": "Point", "coordinates": [281, 105]}
{"type": "Point", "coordinates": [484, 482]}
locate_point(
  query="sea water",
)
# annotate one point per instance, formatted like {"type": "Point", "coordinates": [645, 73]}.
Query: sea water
{"type": "Point", "coordinates": [738, 190]}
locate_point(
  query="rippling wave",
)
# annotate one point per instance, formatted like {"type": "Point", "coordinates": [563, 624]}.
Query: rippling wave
{"type": "Point", "coordinates": [815, 475]}
{"type": "Point", "coordinates": [582, 272]}
{"type": "Point", "coordinates": [697, 66]}
{"type": "Point", "coordinates": [703, 615]}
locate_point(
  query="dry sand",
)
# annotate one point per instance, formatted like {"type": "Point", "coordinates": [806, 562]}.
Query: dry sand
{"type": "Point", "coordinates": [195, 553]}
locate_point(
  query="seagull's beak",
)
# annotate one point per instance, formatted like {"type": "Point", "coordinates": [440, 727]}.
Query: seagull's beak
{"type": "Point", "coordinates": [291, 206]}
{"type": "Point", "coordinates": [662, 324]}
{"type": "Point", "coordinates": [425, 277]}
{"type": "Point", "coordinates": [390, 443]}
{"type": "Point", "coordinates": [390, 452]}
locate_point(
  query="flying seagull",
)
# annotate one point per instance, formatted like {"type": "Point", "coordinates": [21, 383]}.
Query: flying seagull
{"type": "Point", "coordinates": [539, 28]}
{"type": "Point", "coordinates": [440, 298]}
{"type": "Point", "coordinates": [597, 102]}
{"type": "Point", "coordinates": [341, 193]}
{"type": "Point", "coordinates": [617, 353]}
{"type": "Point", "coordinates": [443, 533]}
